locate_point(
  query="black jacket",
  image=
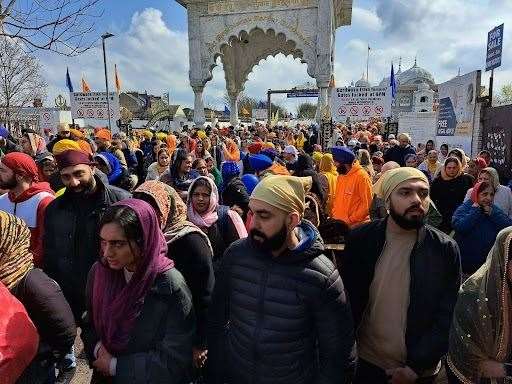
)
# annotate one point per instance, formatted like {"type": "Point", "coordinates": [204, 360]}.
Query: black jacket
{"type": "Point", "coordinates": [71, 239]}
{"type": "Point", "coordinates": [448, 195]}
{"type": "Point", "coordinates": [398, 154]}
{"type": "Point", "coordinates": [48, 309]}
{"type": "Point", "coordinates": [160, 346]}
{"type": "Point", "coordinates": [435, 281]}
{"type": "Point", "coordinates": [193, 257]}
{"type": "Point", "coordinates": [279, 320]}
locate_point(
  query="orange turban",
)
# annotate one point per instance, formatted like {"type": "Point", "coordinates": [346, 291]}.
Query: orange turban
{"type": "Point", "coordinates": [104, 134]}
{"type": "Point", "coordinates": [85, 146]}
{"type": "Point", "coordinates": [171, 143]}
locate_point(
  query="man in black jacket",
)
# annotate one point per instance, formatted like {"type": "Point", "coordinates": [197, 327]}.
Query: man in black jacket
{"type": "Point", "coordinates": [399, 152]}
{"type": "Point", "coordinates": [279, 311]}
{"type": "Point", "coordinates": [71, 240]}
{"type": "Point", "coordinates": [402, 279]}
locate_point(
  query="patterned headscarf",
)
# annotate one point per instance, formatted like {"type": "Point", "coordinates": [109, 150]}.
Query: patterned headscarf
{"type": "Point", "coordinates": [15, 258]}
{"type": "Point", "coordinates": [37, 143]}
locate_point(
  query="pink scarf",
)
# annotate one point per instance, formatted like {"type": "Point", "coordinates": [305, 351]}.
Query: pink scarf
{"type": "Point", "coordinates": [207, 219]}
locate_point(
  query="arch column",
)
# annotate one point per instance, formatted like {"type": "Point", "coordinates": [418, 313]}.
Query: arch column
{"type": "Point", "coordinates": [233, 103]}
{"type": "Point", "coordinates": [199, 117]}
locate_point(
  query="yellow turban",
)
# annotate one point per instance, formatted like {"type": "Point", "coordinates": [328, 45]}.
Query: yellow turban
{"type": "Point", "coordinates": [393, 178]}
{"type": "Point", "coordinates": [64, 145]}
{"type": "Point", "coordinates": [201, 134]}
{"type": "Point", "coordinates": [317, 156]}
{"type": "Point", "coordinates": [148, 134]}
{"type": "Point", "coordinates": [161, 136]}
{"type": "Point", "coordinates": [286, 193]}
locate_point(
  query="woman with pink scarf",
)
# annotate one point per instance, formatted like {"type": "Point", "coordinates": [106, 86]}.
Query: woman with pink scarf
{"type": "Point", "coordinates": [139, 324]}
{"type": "Point", "coordinates": [222, 225]}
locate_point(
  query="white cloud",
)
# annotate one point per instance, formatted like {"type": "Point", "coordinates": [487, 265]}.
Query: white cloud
{"type": "Point", "coordinates": [366, 18]}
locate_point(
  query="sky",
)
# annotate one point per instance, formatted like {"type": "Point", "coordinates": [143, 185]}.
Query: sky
{"type": "Point", "coordinates": [150, 48]}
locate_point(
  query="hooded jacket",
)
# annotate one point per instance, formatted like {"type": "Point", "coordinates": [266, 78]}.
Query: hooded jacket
{"type": "Point", "coordinates": [30, 206]}
{"type": "Point", "coordinates": [353, 196]}
{"type": "Point", "coordinates": [279, 319]}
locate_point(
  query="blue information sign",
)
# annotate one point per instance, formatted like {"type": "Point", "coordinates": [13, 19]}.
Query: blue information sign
{"type": "Point", "coordinates": [494, 48]}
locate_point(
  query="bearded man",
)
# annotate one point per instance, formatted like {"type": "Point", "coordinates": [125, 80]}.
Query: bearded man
{"type": "Point", "coordinates": [71, 238]}
{"type": "Point", "coordinates": [279, 309]}
{"type": "Point", "coordinates": [402, 277]}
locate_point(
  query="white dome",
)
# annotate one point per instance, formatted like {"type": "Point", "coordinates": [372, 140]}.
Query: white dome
{"type": "Point", "coordinates": [363, 83]}
{"type": "Point", "coordinates": [416, 75]}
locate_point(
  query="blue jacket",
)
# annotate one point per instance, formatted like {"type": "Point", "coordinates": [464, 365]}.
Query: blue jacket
{"type": "Point", "coordinates": [116, 170]}
{"type": "Point", "coordinates": [475, 232]}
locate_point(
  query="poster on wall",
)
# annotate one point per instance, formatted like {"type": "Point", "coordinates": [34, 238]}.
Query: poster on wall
{"type": "Point", "coordinates": [456, 111]}
{"type": "Point", "coordinates": [359, 103]}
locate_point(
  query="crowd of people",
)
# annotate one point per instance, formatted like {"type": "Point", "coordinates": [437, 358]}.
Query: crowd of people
{"type": "Point", "coordinates": [252, 254]}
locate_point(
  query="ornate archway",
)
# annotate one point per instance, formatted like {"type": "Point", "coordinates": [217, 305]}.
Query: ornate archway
{"type": "Point", "coordinates": [243, 32]}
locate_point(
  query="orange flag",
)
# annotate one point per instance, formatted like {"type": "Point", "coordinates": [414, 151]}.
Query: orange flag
{"type": "Point", "coordinates": [117, 79]}
{"type": "Point", "coordinates": [85, 86]}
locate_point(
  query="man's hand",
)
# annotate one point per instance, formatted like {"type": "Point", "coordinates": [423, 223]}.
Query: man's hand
{"type": "Point", "coordinates": [102, 363]}
{"type": "Point", "coordinates": [401, 376]}
{"type": "Point", "coordinates": [487, 209]}
{"type": "Point", "coordinates": [199, 357]}
{"type": "Point", "coordinates": [492, 369]}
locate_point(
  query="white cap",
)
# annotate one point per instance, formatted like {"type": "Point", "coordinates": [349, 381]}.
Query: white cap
{"type": "Point", "coordinates": [391, 136]}
{"type": "Point", "coordinates": [352, 143]}
{"type": "Point", "coordinates": [290, 149]}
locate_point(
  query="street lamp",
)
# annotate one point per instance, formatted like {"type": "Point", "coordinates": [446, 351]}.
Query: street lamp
{"type": "Point", "coordinates": [105, 36]}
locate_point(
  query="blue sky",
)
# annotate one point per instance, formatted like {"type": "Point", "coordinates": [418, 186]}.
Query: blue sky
{"type": "Point", "coordinates": [151, 47]}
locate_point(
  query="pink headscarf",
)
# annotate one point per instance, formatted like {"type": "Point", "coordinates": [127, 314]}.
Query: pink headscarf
{"type": "Point", "coordinates": [210, 217]}
{"type": "Point", "coordinates": [207, 219]}
{"type": "Point", "coordinates": [117, 304]}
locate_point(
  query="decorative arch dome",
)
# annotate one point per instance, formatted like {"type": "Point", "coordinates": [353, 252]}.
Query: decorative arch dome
{"type": "Point", "coordinates": [363, 83]}
{"type": "Point", "coordinates": [416, 75]}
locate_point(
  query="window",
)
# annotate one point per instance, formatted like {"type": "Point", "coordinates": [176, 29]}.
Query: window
{"type": "Point", "coordinates": [423, 99]}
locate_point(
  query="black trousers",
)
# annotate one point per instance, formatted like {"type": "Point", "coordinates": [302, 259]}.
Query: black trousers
{"type": "Point", "coordinates": [368, 373]}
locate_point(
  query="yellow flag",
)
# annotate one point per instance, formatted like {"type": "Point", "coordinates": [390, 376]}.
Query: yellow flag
{"type": "Point", "coordinates": [245, 111]}
{"type": "Point", "coordinates": [85, 86]}
{"type": "Point", "coordinates": [117, 79]}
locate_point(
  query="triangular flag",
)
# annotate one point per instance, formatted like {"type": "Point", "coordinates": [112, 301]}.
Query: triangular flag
{"type": "Point", "coordinates": [227, 111]}
{"type": "Point", "coordinates": [245, 111]}
{"type": "Point", "coordinates": [117, 80]}
{"type": "Point", "coordinates": [85, 86]}
{"type": "Point", "coordinates": [68, 81]}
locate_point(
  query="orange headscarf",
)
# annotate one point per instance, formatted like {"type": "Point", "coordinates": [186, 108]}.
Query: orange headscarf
{"type": "Point", "coordinates": [171, 143]}
{"type": "Point", "coordinates": [231, 152]}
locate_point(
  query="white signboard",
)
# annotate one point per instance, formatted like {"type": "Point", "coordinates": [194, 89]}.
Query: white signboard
{"type": "Point", "coordinates": [259, 114]}
{"type": "Point", "coordinates": [93, 105]}
{"type": "Point", "coordinates": [456, 112]}
{"type": "Point", "coordinates": [358, 103]}
{"type": "Point", "coordinates": [48, 119]}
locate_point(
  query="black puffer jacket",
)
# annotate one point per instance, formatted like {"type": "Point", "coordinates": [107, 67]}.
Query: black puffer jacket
{"type": "Point", "coordinates": [435, 281]}
{"type": "Point", "coordinates": [71, 239]}
{"type": "Point", "coordinates": [281, 320]}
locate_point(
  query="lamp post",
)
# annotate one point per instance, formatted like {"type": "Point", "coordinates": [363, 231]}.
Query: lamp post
{"type": "Point", "coordinates": [105, 36]}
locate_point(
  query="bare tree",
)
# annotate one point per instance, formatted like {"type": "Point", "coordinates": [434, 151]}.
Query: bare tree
{"type": "Point", "coordinates": [306, 111]}
{"type": "Point", "coordinates": [62, 26]}
{"type": "Point", "coordinates": [21, 81]}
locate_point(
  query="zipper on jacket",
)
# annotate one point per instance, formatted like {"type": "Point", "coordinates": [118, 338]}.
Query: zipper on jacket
{"type": "Point", "coordinates": [259, 321]}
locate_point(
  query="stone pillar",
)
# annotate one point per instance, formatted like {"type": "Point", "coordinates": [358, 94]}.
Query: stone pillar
{"type": "Point", "coordinates": [199, 118]}
{"type": "Point", "coordinates": [233, 103]}
{"type": "Point", "coordinates": [323, 101]}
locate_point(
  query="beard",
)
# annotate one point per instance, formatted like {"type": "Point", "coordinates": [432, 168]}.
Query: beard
{"type": "Point", "coordinates": [408, 223]}
{"type": "Point", "coordinates": [83, 188]}
{"type": "Point", "coordinates": [269, 244]}
{"type": "Point", "coordinates": [342, 169]}
{"type": "Point", "coordinates": [9, 184]}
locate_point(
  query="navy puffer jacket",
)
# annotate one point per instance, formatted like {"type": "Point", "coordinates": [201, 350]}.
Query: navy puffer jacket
{"type": "Point", "coordinates": [279, 319]}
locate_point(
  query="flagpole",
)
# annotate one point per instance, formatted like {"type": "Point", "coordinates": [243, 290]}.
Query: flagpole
{"type": "Point", "coordinates": [368, 63]}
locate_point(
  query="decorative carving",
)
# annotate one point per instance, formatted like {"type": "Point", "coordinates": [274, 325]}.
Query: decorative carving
{"type": "Point", "coordinates": [244, 6]}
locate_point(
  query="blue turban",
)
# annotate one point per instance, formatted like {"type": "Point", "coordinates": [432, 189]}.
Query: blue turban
{"type": "Point", "coordinates": [343, 155]}
{"type": "Point", "coordinates": [230, 169]}
{"type": "Point", "coordinates": [260, 162]}
{"type": "Point", "coordinates": [250, 181]}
